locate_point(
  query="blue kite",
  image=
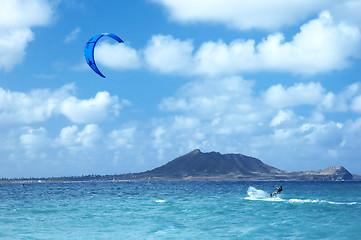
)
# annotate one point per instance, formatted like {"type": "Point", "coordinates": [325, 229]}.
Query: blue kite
{"type": "Point", "coordinates": [89, 50]}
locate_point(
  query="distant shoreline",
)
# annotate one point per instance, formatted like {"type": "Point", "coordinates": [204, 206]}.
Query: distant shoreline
{"type": "Point", "coordinates": [158, 179]}
{"type": "Point", "coordinates": [211, 166]}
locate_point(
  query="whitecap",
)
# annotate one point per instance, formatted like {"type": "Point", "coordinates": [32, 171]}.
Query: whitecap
{"type": "Point", "coordinates": [260, 195]}
{"type": "Point", "coordinates": [320, 201]}
{"type": "Point", "coordinates": [254, 193]}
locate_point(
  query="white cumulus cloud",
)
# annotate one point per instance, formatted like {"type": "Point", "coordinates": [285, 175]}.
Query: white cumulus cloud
{"type": "Point", "coordinates": [17, 17]}
{"type": "Point", "coordinates": [117, 56]}
{"type": "Point", "coordinates": [35, 142]}
{"type": "Point", "coordinates": [75, 139]}
{"type": "Point", "coordinates": [348, 11]}
{"type": "Point", "coordinates": [282, 116]}
{"type": "Point", "coordinates": [279, 97]}
{"type": "Point", "coordinates": [12, 46]}
{"type": "Point", "coordinates": [356, 104]}
{"type": "Point", "coordinates": [321, 45]}
{"type": "Point", "coordinates": [169, 55]}
{"type": "Point", "coordinates": [96, 109]}
{"type": "Point", "coordinates": [122, 138]}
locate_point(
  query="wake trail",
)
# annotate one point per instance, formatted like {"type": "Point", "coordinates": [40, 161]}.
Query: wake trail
{"type": "Point", "coordinates": [260, 195]}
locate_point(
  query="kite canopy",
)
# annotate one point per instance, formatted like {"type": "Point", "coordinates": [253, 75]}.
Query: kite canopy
{"type": "Point", "coordinates": [89, 50]}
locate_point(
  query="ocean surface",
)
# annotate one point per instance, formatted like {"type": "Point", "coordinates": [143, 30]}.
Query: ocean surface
{"type": "Point", "coordinates": [180, 210]}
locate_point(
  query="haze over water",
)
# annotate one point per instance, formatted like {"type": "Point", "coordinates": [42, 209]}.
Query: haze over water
{"type": "Point", "coordinates": [180, 210]}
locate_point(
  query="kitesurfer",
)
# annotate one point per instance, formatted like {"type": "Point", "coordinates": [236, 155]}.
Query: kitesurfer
{"type": "Point", "coordinates": [279, 189]}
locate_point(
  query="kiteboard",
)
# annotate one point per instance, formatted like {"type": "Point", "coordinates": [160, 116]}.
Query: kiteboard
{"type": "Point", "coordinates": [274, 193]}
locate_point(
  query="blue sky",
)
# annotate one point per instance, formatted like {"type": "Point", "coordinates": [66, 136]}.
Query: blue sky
{"type": "Point", "coordinates": [276, 80]}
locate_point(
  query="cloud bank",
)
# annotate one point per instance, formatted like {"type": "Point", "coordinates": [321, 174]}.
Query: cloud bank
{"type": "Point", "coordinates": [223, 114]}
{"type": "Point", "coordinates": [263, 14]}
{"type": "Point", "coordinates": [321, 45]}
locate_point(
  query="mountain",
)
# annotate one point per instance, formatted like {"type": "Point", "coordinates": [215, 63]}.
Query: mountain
{"type": "Point", "coordinates": [212, 164]}
{"type": "Point", "coordinates": [197, 165]}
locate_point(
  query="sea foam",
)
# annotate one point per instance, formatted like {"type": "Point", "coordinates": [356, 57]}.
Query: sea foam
{"type": "Point", "coordinates": [257, 194]}
{"type": "Point", "coordinates": [260, 195]}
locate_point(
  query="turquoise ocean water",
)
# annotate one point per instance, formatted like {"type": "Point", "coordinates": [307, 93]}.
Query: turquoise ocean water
{"type": "Point", "coordinates": [180, 210]}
